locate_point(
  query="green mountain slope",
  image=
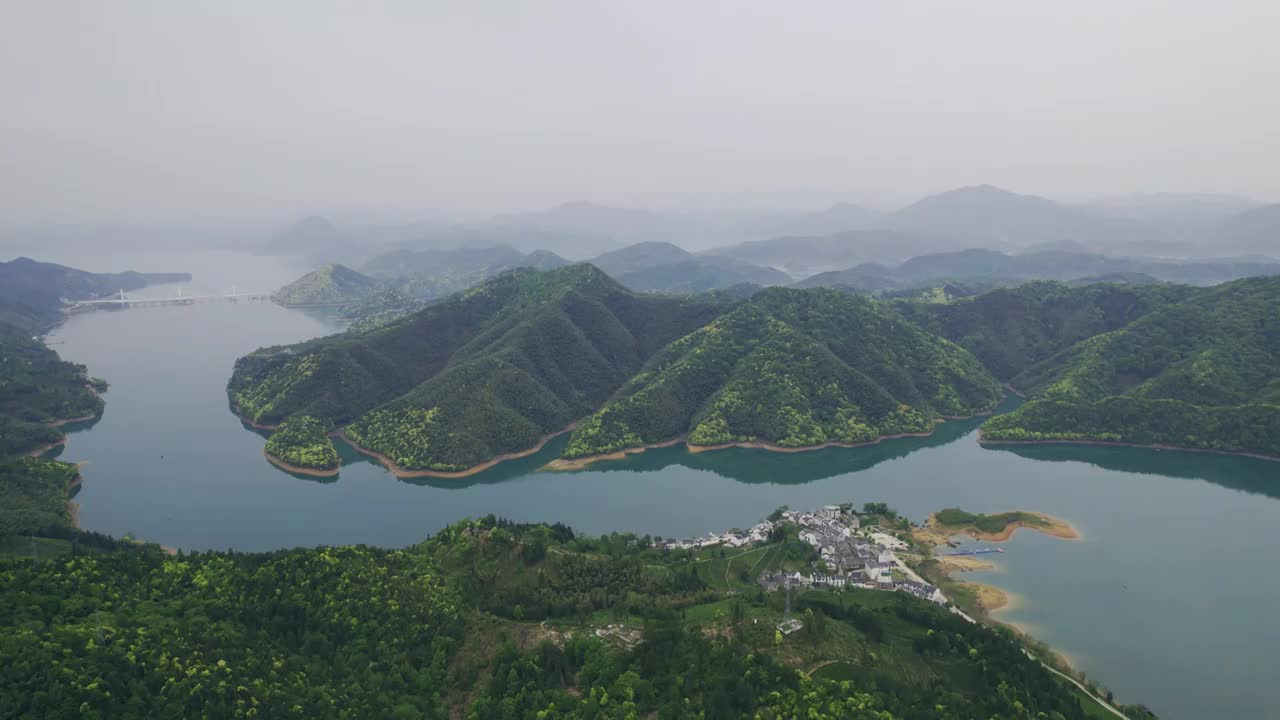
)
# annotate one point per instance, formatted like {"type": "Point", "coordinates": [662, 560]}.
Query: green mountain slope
{"type": "Point", "coordinates": [488, 620]}
{"type": "Point", "coordinates": [1010, 329]}
{"type": "Point", "coordinates": [795, 368]}
{"type": "Point", "coordinates": [330, 285]}
{"type": "Point", "coordinates": [1201, 373]}
{"type": "Point", "coordinates": [485, 372]}
{"type": "Point", "coordinates": [38, 388]}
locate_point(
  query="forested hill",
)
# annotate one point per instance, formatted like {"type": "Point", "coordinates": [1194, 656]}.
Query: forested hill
{"type": "Point", "coordinates": [1009, 329]}
{"type": "Point", "coordinates": [38, 388]}
{"type": "Point", "coordinates": [794, 368]}
{"type": "Point", "coordinates": [330, 285]}
{"type": "Point", "coordinates": [1200, 373]}
{"type": "Point", "coordinates": [482, 373]}
{"type": "Point", "coordinates": [492, 621]}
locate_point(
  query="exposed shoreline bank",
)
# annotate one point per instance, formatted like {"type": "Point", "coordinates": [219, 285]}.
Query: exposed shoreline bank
{"type": "Point", "coordinates": [585, 462]}
{"type": "Point", "coordinates": [400, 472]}
{"type": "Point", "coordinates": [41, 449]}
{"type": "Point", "coordinates": [982, 440]}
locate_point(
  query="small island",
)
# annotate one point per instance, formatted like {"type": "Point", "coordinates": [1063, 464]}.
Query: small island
{"type": "Point", "coordinates": [998, 527]}
{"type": "Point", "coordinates": [301, 445]}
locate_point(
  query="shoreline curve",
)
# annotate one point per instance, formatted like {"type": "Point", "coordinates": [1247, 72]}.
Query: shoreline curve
{"type": "Point", "coordinates": [982, 440]}
{"type": "Point", "coordinates": [298, 469]}
{"type": "Point", "coordinates": [400, 472]}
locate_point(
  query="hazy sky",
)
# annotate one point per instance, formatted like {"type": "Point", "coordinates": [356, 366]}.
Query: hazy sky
{"type": "Point", "coordinates": [122, 108]}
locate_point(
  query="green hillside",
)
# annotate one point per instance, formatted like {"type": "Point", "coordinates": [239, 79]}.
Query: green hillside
{"type": "Point", "coordinates": [1009, 329]}
{"type": "Point", "coordinates": [38, 388]}
{"type": "Point", "coordinates": [482, 373]}
{"type": "Point", "coordinates": [330, 285]}
{"type": "Point", "coordinates": [794, 368]}
{"type": "Point", "coordinates": [489, 621]}
{"type": "Point", "coordinates": [34, 493]}
{"type": "Point", "coordinates": [302, 441]}
{"type": "Point", "coordinates": [1200, 373]}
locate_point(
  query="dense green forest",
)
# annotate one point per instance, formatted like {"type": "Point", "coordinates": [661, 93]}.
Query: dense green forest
{"type": "Point", "coordinates": [476, 375]}
{"type": "Point", "coordinates": [304, 441]}
{"type": "Point", "coordinates": [33, 495]}
{"type": "Point", "coordinates": [796, 368]}
{"type": "Point", "coordinates": [38, 388]}
{"type": "Point", "coordinates": [488, 620]}
{"type": "Point", "coordinates": [496, 368]}
{"type": "Point", "coordinates": [1200, 373]}
{"type": "Point", "coordinates": [1010, 329]}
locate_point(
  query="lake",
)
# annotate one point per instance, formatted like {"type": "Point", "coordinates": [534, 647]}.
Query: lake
{"type": "Point", "coordinates": [1167, 599]}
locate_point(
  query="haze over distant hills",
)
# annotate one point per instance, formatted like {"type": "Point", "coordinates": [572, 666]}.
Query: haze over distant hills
{"type": "Point", "coordinates": [836, 237]}
{"type": "Point", "coordinates": [981, 235]}
{"type": "Point", "coordinates": [993, 265]}
{"type": "Point", "coordinates": [663, 267]}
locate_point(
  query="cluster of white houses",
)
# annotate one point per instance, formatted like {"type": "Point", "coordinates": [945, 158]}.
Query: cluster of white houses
{"type": "Point", "coordinates": [849, 555]}
{"type": "Point", "coordinates": [729, 538]}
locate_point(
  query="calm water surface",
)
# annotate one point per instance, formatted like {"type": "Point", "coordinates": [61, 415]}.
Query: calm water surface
{"type": "Point", "coordinates": [1169, 599]}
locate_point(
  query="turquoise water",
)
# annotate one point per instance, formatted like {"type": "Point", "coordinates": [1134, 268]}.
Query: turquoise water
{"type": "Point", "coordinates": [1168, 599]}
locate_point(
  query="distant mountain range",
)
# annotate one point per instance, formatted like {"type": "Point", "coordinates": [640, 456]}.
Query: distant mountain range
{"type": "Point", "coordinates": [1020, 237]}
{"type": "Point", "coordinates": [663, 267]}
{"type": "Point", "coordinates": [992, 265]}
{"type": "Point", "coordinates": [801, 256]}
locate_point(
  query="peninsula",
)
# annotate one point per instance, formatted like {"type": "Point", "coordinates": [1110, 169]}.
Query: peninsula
{"type": "Point", "coordinates": [492, 372]}
{"type": "Point", "coordinates": [945, 524]}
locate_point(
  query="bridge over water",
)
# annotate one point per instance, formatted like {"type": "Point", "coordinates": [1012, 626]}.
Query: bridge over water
{"type": "Point", "coordinates": [124, 300]}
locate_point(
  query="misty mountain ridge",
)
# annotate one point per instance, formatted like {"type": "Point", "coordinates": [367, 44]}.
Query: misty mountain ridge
{"type": "Point", "coordinates": [838, 237]}
{"type": "Point", "coordinates": [996, 217]}
{"type": "Point", "coordinates": [996, 267]}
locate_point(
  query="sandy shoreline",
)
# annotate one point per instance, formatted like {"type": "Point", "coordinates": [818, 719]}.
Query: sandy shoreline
{"type": "Point", "coordinates": [1115, 443]}
{"type": "Point", "coordinates": [39, 450]}
{"type": "Point", "coordinates": [993, 599]}
{"type": "Point", "coordinates": [313, 472]}
{"type": "Point", "coordinates": [402, 473]}
{"type": "Point", "coordinates": [584, 462]}
{"type": "Point", "coordinates": [761, 445]}
{"type": "Point", "coordinates": [68, 421]}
